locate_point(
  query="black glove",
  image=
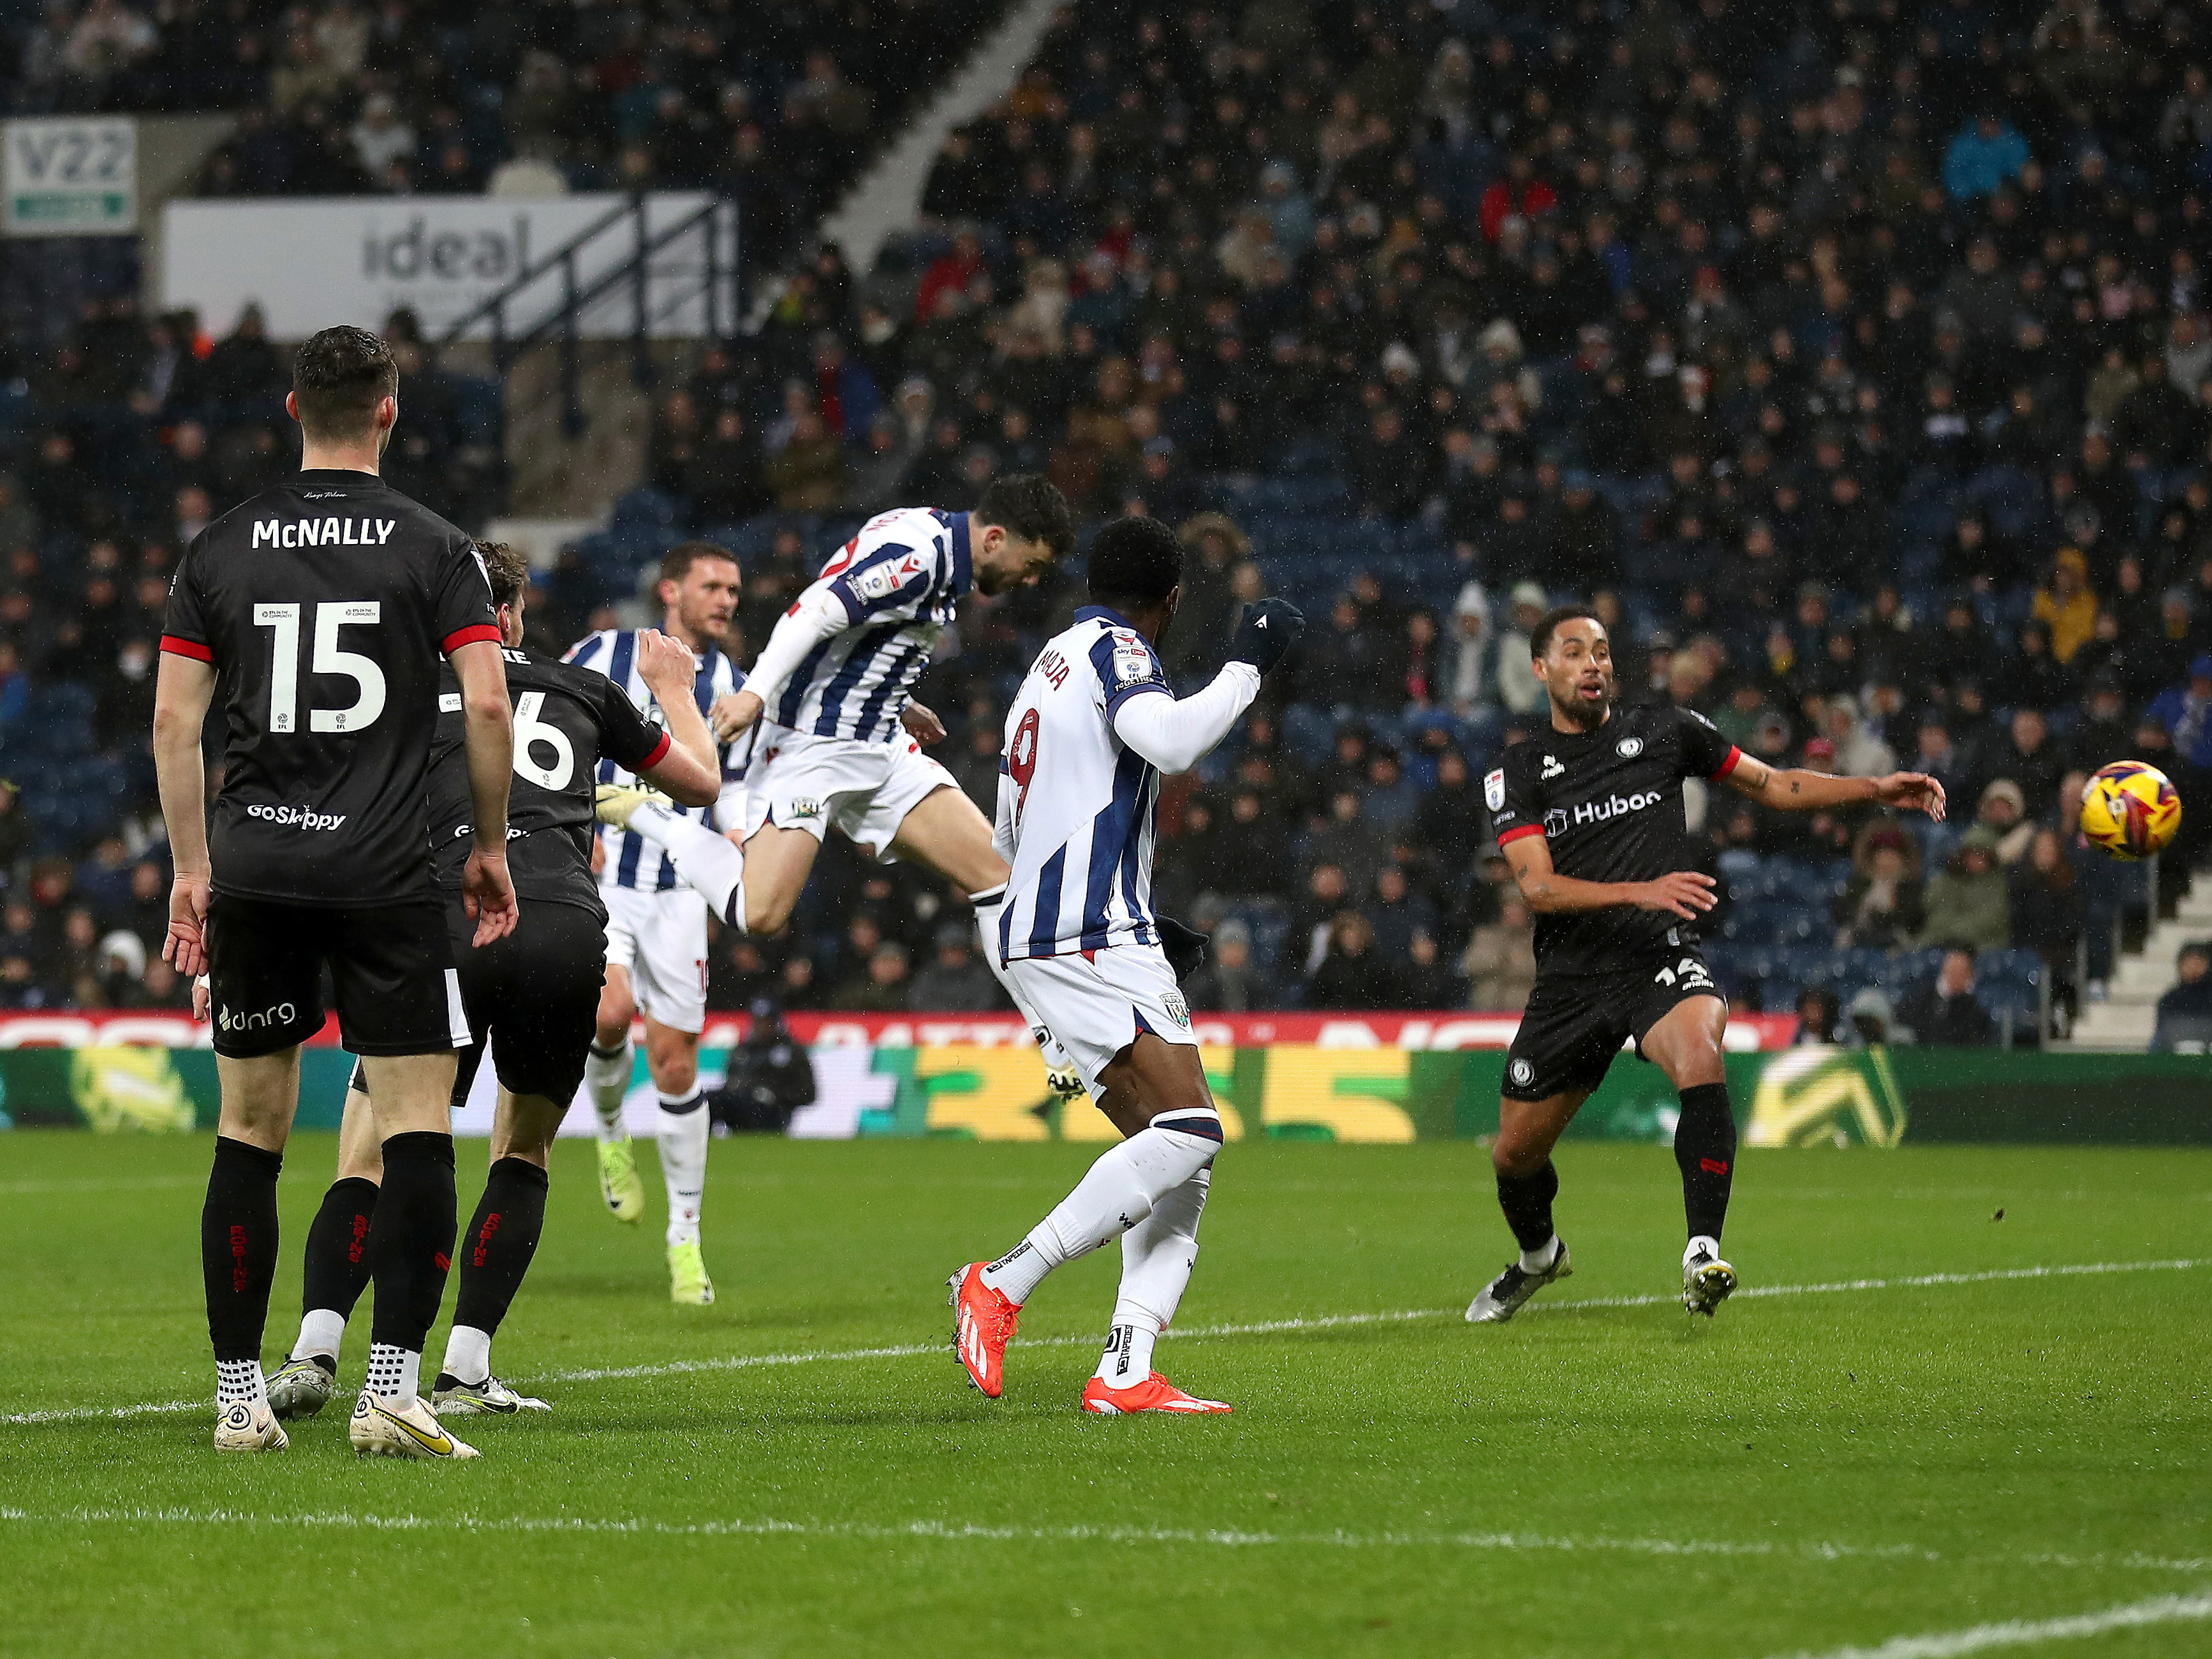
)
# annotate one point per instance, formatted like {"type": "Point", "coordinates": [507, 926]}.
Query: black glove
{"type": "Point", "coordinates": [1186, 948]}
{"type": "Point", "coordinates": [1269, 629]}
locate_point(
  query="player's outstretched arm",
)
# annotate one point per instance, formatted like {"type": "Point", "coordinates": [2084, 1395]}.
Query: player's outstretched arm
{"type": "Point", "coordinates": [1176, 733]}
{"type": "Point", "coordinates": [488, 735]}
{"type": "Point", "coordinates": [183, 688]}
{"type": "Point", "coordinates": [1795, 790]}
{"type": "Point", "coordinates": [817, 615]}
{"type": "Point", "coordinates": [689, 772]}
{"type": "Point", "coordinates": [922, 723]}
{"type": "Point", "coordinates": [1685, 893]}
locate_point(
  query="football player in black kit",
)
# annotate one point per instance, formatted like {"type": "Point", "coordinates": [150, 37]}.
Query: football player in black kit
{"type": "Point", "coordinates": [1589, 815]}
{"type": "Point", "coordinates": [321, 608]}
{"type": "Point", "coordinates": [536, 994]}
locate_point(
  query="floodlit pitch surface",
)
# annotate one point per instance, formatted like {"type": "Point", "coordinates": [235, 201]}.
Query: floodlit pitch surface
{"type": "Point", "coordinates": [1999, 1460]}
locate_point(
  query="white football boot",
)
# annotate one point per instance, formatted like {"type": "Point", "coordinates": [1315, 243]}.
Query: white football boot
{"type": "Point", "coordinates": [381, 1431]}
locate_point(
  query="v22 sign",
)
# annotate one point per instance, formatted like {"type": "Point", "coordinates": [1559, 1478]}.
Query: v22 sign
{"type": "Point", "coordinates": [70, 176]}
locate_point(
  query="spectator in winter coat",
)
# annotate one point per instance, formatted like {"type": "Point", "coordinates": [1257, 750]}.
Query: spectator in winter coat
{"type": "Point", "coordinates": [1354, 974]}
{"type": "Point", "coordinates": [1232, 982]}
{"type": "Point", "coordinates": [1883, 904]}
{"type": "Point", "coordinates": [1946, 1014]}
{"type": "Point", "coordinates": [2185, 1012]}
{"type": "Point", "coordinates": [1967, 903]}
{"type": "Point", "coordinates": [2184, 711]}
{"type": "Point", "coordinates": [2066, 606]}
{"type": "Point", "coordinates": [1500, 962]}
{"type": "Point", "coordinates": [2047, 903]}
{"type": "Point", "coordinates": [1983, 158]}
{"type": "Point", "coordinates": [1471, 686]}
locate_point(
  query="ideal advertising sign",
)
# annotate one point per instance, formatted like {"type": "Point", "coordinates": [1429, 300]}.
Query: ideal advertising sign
{"type": "Point", "coordinates": [314, 262]}
{"type": "Point", "coordinates": [70, 176]}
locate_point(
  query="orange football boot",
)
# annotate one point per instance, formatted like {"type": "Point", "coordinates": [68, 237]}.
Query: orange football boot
{"type": "Point", "coordinates": [1154, 1393]}
{"type": "Point", "coordinates": [984, 1322]}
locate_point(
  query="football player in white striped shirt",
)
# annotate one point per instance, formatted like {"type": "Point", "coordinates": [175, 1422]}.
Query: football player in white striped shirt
{"type": "Point", "coordinates": [828, 692]}
{"type": "Point", "coordinates": [657, 925]}
{"type": "Point", "coordinates": [1088, 739]}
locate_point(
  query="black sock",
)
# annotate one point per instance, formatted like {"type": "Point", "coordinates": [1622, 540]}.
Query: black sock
{"type": "Point", "coordinates": [238, 1245]}
{"type": "Point", "coordinates": [1527, 1201]}
{"type": "Point", "coordinates": [336, 1268]}
{"type": "Point", "coordinates": [410, 1242]}
{"type": "Point", "coordinates": [502, 1239]}
{"type": "Point", "coordinates": [1705, 1150]}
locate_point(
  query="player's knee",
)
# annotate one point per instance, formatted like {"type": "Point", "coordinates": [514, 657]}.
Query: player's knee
{"type": "Point", "coordinates": [675, 1071]}
{"type": "Point", "coordinates": [1518, 1157]}
{"type": "Point", "coordinates": [767, 914]}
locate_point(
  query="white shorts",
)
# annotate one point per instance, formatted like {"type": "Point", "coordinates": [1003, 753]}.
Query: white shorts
{"type": "Point", "coordinates": [864, 789]}
{"type": "Point", "coordinates": [660, 939]}
{"type": "Point", "coordinates": [1097, 1003]}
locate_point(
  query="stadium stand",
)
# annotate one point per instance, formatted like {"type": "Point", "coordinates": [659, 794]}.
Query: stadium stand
{"type": "Point", "coordinates": [1855, 362]}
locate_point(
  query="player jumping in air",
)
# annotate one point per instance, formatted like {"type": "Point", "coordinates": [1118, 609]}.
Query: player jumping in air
{"type": "Point", "coordinates": [1590, 814]}
{"type": "Point", "coordinates": [829, 694]}
{"type": "Point", "coordinates": [321, 608]}
{"type": "Point", "coordinates": [535, 993]}
{"type": "Point", "coordinates": [1092, 732]}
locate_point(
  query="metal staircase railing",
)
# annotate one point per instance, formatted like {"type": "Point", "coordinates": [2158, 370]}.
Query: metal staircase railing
{"type": "Point", "coordinates": [521, 316]}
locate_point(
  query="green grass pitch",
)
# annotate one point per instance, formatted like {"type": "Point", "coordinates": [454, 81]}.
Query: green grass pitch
{"type": "Point", "coordinates": [1814, 1470]}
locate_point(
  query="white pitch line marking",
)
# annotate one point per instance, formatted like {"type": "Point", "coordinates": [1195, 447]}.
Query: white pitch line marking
{"type": "Point", "coordinates": [2022, 1632]}
{"type": "Point", "coordinates": [1200, 1333]}
{"type": "Point", "coordinates": [976, 1532]}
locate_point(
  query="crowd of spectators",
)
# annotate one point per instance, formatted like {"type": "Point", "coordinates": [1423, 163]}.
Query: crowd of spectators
{"type": "Point", "coordinates": [1854, 361]}
{"type": "Point", "coordinates": [776, 104]}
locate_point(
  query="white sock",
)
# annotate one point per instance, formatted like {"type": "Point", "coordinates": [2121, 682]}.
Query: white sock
{"type": "Point", "coordinates": [1540, 1259]}
{"type": "Point", "coordinates": [1156, 1257]}
{"type": "Point", "coordinates": [709, 863]}
{"type": "Point", "coordinates": [239, 1379]}
{"type": "Point", "coordinates": [606, 1076]}
{"type": "Point", "coordinates": [320, 1331]}
{"type": "Point", "coordinates": [1114, 1194]}
{"type": "Point", "coordinates": [683, 1141]}
{"type": "Point", "coordinates": [468, 1354]}
{"type": "Point", "coordinates": [986, 930]}
{"type": "Point", "coordinates": [394, 1375]}
{"type": "Point", "coordinates": [1703, 1245]}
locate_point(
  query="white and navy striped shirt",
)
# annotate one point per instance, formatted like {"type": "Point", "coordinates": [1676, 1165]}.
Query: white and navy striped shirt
{"type": "Point", "coordinates": [1077, 806]}
{"type": "Point", "coordinates": [900, 581]}
{"type": "Point", "coordinates": [632, 861]}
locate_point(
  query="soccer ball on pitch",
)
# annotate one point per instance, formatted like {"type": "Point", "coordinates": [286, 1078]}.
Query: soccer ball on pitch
{"type": "Point", "coordinates": [2130, 810]}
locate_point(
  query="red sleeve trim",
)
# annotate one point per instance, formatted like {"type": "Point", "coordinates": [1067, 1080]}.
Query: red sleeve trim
{"type": "Point", "coordinates": [470, 636]}
{"type": "Point", "coordinates": [1734, 758]}
{"type": "Point", "coordinates": [660, 753]}
{"type": "Point", "coordinates": [1515, 834]}
{"type": "Point", "coordinates": [177, 646]}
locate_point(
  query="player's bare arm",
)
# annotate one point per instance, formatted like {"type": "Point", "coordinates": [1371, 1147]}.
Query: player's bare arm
{"type": "Point", "coordinates": [921, 724]}
{"type": "Point", "coordinates": [487, 890]}
{"type": "Point", "coordinates": [183, 690]}
{"type": "Point", "coordinates": [1796, 790]}
{"type": "Point", "coordinates": [1684, 893]}
{"type": "Point", "coordinates": [689, 772]}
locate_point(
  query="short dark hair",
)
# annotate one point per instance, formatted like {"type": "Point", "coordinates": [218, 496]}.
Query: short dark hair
{"type": "Point", "coordinates": [675, 564]}
{"type": "Point", "coordinates": [1135, 563]}
{"type": "Point", "coordinates": [338, 378]}
{"type": "Point", "coordinates": [1540, 643]}
{"type": "Point", "coordinates": [506, 568]}
{"type": "Point", "coordinates": [1030, 505]}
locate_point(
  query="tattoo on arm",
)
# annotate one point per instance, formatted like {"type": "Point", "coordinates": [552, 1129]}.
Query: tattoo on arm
{"type": "Point", "coordinates": [1795, 786]}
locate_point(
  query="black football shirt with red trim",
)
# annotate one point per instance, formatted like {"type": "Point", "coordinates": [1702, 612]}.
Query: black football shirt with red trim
{"type": "Point", "coordinates": [566, 719]}
{"type": "Point", "coordinates": [1609, 805]}
{"type": "Point", "coordinates": [325, 605]}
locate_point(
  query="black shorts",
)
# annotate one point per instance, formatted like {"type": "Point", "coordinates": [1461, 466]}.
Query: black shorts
{"type": "Point", "coordinates": [391, 969]}
{"type": "Point", "coordinates": [1575, 1025]}
{"type": "Point", "coordinates": [535, 993]}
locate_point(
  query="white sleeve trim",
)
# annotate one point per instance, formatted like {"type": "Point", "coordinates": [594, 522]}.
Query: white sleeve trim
{"type": "Point", "coordinates": [818, 615]}
{"type": "Point", "coordinates": [1176, 733]}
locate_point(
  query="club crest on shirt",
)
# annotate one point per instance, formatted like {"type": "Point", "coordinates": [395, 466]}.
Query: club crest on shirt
{"type": "Point", "coordinates": [1493, 790]}
{"type": "Point", "coordinates": [803, 807]}
{"type": "Point", "coordinates": [1629, 748]}
{"type": "Point", "coordinates": [1178, 1010]}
